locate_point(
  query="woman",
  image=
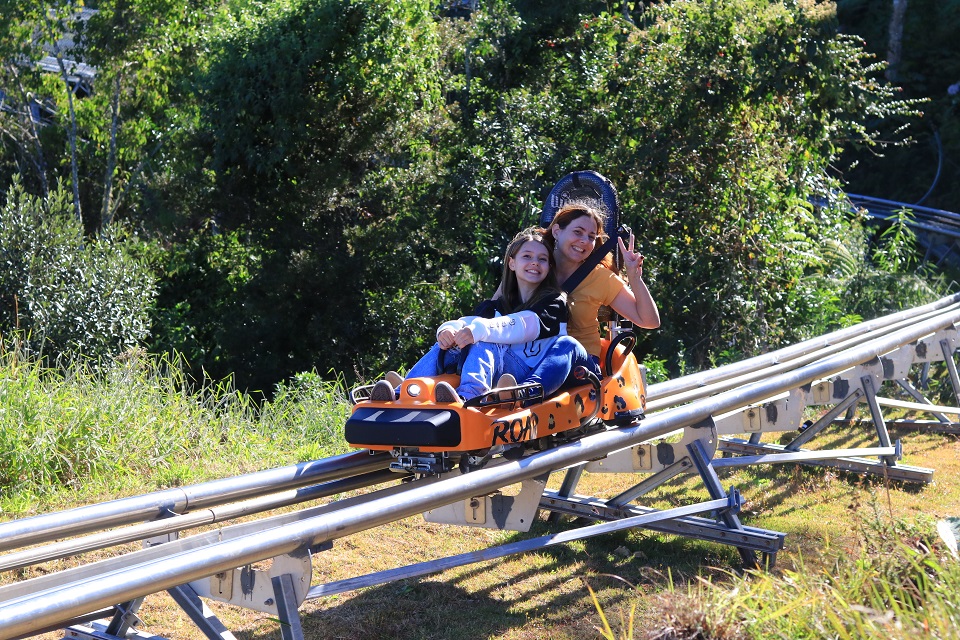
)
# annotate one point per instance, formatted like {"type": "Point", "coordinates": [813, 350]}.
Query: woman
{"type": "Point", "coordinates": [510, 334]}
{"type": "Point", "coordinates": [572, 235]}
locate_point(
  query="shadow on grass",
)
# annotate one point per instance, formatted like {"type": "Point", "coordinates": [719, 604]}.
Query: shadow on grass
{"type": "Point", "coordinates": [543, 597]}
{"type": "Point", "coordinates": [542, 594]}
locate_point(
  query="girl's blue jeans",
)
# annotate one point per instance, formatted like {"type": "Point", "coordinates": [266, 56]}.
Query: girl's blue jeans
{"type": "Point", "coordinates": [484, 362]}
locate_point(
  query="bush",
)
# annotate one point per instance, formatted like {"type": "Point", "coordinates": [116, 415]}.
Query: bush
{"type": "Point", "coordinates": [66, 294]}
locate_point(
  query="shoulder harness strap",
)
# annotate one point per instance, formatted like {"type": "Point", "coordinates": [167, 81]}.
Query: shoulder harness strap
{"type": "Point", "coordinates": [590, 263]}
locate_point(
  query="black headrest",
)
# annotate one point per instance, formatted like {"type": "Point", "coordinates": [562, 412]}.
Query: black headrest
{"type": "Point", "coordinates": [584, 186]}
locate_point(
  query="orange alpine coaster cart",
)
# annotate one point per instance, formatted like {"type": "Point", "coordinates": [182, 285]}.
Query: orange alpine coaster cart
{"type": "Point", "coordinates": [430, 437]}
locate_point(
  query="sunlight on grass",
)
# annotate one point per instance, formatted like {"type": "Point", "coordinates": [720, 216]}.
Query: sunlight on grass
{"type": "Point", "coordinates": [902, 584]}
{"type": "Point", "coordinates": [85, 427]}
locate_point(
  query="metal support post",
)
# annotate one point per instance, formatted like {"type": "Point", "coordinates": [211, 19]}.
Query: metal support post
{"type": "Point", "coordinates": [810, 432]}
{"type": "Point", "coordinates": [881, 426]}
{"type": "Point", "coordinates": [951, 367]}
{"type": "Point", "coordinates": [923, 379]}
{"type": "Point", "coordinates": [208, 623]}
{"type": "Point", "coordinates": [712, 481]}
{"type": "Point", "coordinates": [649, 484]}
{"type": "Point", "coordinates": [919, 397]}
{"type": "Point", "coordinates": [851, 412]}
{"type": "Point", "coordinates": [289, 616]}
{"type": "Point", "coordinates": [570, 481]}
{"type": "Point", "coordinates": [125, 618]}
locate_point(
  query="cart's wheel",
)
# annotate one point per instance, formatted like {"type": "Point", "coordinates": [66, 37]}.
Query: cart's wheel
{"type": "Point", "coordinates": [474, 460]}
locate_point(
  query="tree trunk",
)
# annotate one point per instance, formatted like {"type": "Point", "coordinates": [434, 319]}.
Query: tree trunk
{"type": "Point", "coordinates": [72, 135]}
{"type": "Point", "coordinates": [29, 133]}
{"type": "Point", "coordinates": [106, 212]}
{"type": "Point", "coordinates": [895, 48]}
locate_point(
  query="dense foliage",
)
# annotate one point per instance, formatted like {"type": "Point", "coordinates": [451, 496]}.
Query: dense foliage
{"type": "Point", "coordinates": [67, 295]}
{"type": "Point", "coordinates": [929, 69]}
{"type": "Point", "coordinates": [328, 180]}
{"type": "Point", "coordinates": [98, 113]}
{"type": "Point", "coordinates": [315, 125]}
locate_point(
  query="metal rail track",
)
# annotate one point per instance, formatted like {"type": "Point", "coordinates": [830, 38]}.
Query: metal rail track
{"type": "Point", "coordinates": [213, 564]}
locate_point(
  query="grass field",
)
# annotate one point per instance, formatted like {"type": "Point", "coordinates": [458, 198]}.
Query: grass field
{"type": "Point", "coordinates": [862, 558]}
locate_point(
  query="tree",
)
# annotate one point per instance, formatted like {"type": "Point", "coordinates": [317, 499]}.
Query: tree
{"type": "Point", "coordinates": [129, 56]}
{"type": "Point", "coordinates": [718, 122]}
{"type": "Point", "coordinates": [318, 127]}
{"type": "Point", "coordinates": [21, 93]}
{"type": "Point", "coordinates": [331, 179]}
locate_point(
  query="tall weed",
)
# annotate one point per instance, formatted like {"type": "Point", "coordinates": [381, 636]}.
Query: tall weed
{"type": "Point", "coordinates": [902, 584]}
{"type": "Point", "coordinates": [138, 417]}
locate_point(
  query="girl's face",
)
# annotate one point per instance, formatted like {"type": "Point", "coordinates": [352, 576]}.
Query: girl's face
{"type": "Point", "coordinates": [577, 241]}
{"type": "Point", "coordinates": [531, 263]}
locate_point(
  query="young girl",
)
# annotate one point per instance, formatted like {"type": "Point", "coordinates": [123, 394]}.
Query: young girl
{"type": "Point", "coordinates": [508, 335]}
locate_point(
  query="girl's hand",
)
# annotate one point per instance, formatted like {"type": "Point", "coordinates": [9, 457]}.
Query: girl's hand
{"type": "Point", "coordinates": [464, 337]}
{"type": "Point", "coordinates": [447, 339]}
{"type": "Point", "coordinates": [632, 260]}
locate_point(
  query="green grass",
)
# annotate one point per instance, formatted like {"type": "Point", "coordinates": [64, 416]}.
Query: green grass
{"type": "Point", "coordinates": [900, 588]}
{"type": "Point", "coordinates": [136, 424]}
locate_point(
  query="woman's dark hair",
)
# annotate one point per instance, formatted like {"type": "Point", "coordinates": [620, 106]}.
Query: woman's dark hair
{"type": "Point", "coordinates": [510, 289]}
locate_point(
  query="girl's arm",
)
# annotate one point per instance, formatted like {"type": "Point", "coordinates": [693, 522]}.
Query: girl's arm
{"type": "Point", "coordinates": [635, 303]}
{"type": "Point", "coordinates": [457, 333]}
{"type": "Point", "coordinates": [545, 319]}
{"type": "Point", "coordinates": [513, 328]}
{"type": "Point", "coordinates": [453, 325]}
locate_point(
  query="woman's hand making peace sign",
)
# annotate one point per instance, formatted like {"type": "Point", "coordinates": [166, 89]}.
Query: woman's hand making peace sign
{"type": "Point", "coordinates": [632, 260]}
{"type": "Point", "coordinates": [635, 302]}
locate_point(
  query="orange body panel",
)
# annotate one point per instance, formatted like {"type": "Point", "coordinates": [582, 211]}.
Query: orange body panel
{"type": "Point", "coordinates": [476, 429]}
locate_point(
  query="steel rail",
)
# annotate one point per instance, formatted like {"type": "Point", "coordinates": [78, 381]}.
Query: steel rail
{"type": "Point", "coordinates": [152, 553]}
{"type": "Point", "coordinates": [192, 520]}
{"type": "Point", "coordinates": [931, 228]}
{"type": "Point", "coordinates": [862, 331]}
{"type": "Point", "coordinates": [66, 601]}
{"type": "Point", "coordinates": [51, 526]}
{"type": "Point", "coordinates": [892, 205]}
{"type": "Point", "coordinates": [736, 378]}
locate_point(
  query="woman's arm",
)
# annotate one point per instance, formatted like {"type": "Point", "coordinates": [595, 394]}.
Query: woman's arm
{"type": "Point", "coordinates": [635, 303]}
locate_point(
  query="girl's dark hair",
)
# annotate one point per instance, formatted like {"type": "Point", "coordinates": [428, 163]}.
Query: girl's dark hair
{"type": "Point", "coordinates": [510, 289]}
{"type": "Point", "coordinates": [572, 211]}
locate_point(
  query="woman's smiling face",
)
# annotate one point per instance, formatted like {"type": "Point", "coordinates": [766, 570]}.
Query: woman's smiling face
{"type": "Point", "coordinates": [577, 240]}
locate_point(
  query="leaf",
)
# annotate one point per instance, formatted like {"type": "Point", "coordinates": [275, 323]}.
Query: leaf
{"type": "Point", "coordinates": [949, 530]}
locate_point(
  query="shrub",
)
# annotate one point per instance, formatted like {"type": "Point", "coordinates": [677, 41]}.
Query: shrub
{"type": "Point", "coordinates": [68, 294]}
